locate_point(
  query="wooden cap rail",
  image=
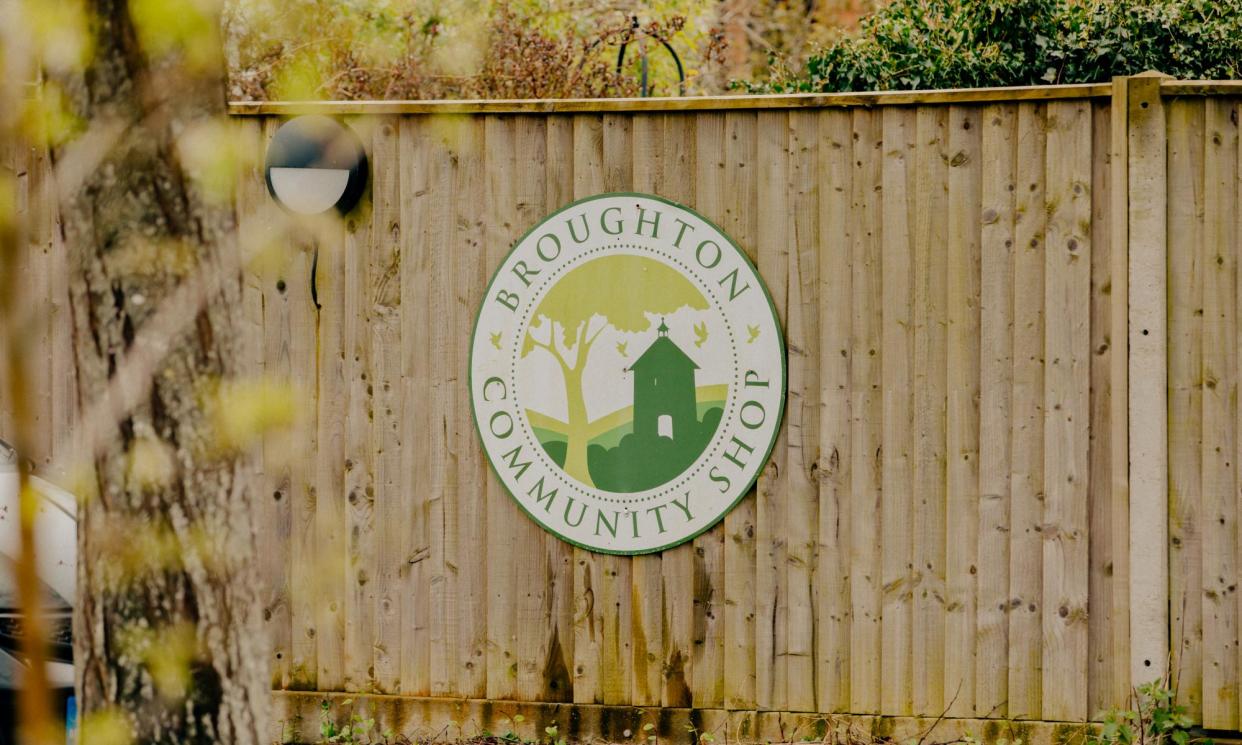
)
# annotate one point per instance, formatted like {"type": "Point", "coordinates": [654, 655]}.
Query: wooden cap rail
{"type": "Point", "coordinates": [689, 103]}
{"type": "Point", "coordinates": [1170, 87]}
{"type": "Point", "coordinates": [723, 103]}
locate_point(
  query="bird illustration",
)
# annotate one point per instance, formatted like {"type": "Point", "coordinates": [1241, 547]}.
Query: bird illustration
{"type": "Point", "coordinates": [754, 334]}
{"type": "Point", "coordinates": [496, 339]}
{"type": "Point", "coordinates": [700, 333]}
{"type": "Point", "coordinates": [621, 348]}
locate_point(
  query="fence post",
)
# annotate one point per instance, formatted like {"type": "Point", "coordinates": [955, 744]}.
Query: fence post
{"type": "Point", "coordinates": [1146, 242]}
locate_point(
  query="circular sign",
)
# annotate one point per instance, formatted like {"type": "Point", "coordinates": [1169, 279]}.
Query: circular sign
{"type": "Point", "coordinates": [627, 373]}
{"type": "Point", "coordinates": [314, 164]}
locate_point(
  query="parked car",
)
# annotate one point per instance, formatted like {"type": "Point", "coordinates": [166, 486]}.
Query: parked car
{"type": "Point", "coordinates": [56, 534]}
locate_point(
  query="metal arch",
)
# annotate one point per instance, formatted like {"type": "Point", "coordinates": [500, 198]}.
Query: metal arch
{"type": "Point", "coordinates": [645, 90]}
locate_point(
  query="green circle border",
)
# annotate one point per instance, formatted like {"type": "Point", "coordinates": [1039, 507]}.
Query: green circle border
{"type": "Point", "coordinates": [780, 339]}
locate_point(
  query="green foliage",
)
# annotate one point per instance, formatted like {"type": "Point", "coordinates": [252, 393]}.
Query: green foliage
{"type": "Point", "coordinates": [928, 44]}
{"type": "Point", "coordinates": [554, 735]}
{"type": "Point", "coordinates": [626, 291]}
{"type": "Point", "coordinates": [700, 738]}
{"type": "Point", "coordinates": [412, 49]}
{"type": "Point", "coordinates": [358, 730]}
{"type": "Point", "coordinates": [1156, 719]}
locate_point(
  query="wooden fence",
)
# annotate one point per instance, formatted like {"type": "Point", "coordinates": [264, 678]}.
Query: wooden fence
{"type": "Point", "coordinates": [968, 509]}
{"type": "Point", "coordinates": [1203, 327]}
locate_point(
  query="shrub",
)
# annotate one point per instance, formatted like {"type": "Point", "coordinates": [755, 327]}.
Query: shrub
{"type": "Point", "coordinates": [913, 44]}
{"type": "Point", "coordinates": [1156, 719]}
{"type": "Point", "coordinates": [416, 49]}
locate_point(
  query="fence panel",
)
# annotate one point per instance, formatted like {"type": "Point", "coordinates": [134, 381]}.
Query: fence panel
{"type": "Point", "coordinates": [944, 526]}
{"type": "Point", "coordinates": [1203, 209]}
{"type": "Point", "coordinates": [908, 550]}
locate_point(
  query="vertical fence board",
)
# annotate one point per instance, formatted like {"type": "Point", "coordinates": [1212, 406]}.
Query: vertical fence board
{"type": "Point", "coordinates": [9, 200]}
{"type": "Point", "coordinates": [1119, 383]}
{"type": "Point", "coordinates": [930, 385]}
{"type": "Point", "coordinates": [589, 599]}
{"type": "Point", "coordinates": [444, 607]}
{"type": "Point", "coordinates": [1236, 252]}
{"type": "Point", "coordinates": [1027, 424]}
{"type": "Point", "coordinates": [678, 564]}
{"type": "Point", "coordinates": [361, 539]}
{"type": "Point", "coordinates": [771, 642]}
{"type": "Point", "coordinates": [1185, 398]}
{"type": "Point", "coordinates": [897, 333]}
{"type": "Point", "coordinates": [307, 549]}
{"type": "Point", "coordinates": [802, 410]}
{"type": "Point", "coordinates": [556, 679]}
{"type": "Point", "coordinates": [962, 435]}
{"type": "Point", "coordinates": [832, 570]}
{"type": "Point", "coordinates": [470, 276]}
{"type": "Point", "coordinates": [55, 324]}
{"type": "Point", "coordinates": [418, 422]}
{"type": "Point", "coordinates": [14, 191]}
{"type": "Point", "coordinates": [739, 220]}
{"type": "Point", "coordinates": [16, 157]}
{"type": "Point", "coordinates": [31, 323]}
{"type": "Point", "coordinates": [273, 496]}
{"type": "Point", "coordinates": [39, 244]}
{"type": "Point", "coordinates": [617, 570]}
{"type": "Point", "coordinates": [1067, 344]}
{"type": "Point", "coordinates": [508, 611]}
{"type": "Point", "coordinates": [331, 548]}
{"type": "Point", "coordinates": [707, 683]}
{"type": "Point", "coordinates": [647, 590]}
{"type": "Point", "coordinates": [250, 205]}
{"type": "Point", "coordinates": [37, 285]}
{"type": "Point", "coordinates": [1219, 399]}
{"type": "Point", "coordinates": [23, 264]}
{"type": "Point", "coordinates": [387, 436]}
{"type": "Point", "coordinates": [305, 552]}
{"type": "Point", "coordinates": [865, 412]}
{"type": "Point", "coordinates": [63, 371]}
{"type": "Point", "coordinates": [1108, 666]}
{"type": "Point", "coordinates": [996, 319]}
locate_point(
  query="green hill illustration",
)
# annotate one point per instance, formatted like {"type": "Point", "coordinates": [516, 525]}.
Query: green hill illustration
{"type": "Point", "coordinates": [618, 460]}
{"type": "Point", "coordinates": [671, 419]}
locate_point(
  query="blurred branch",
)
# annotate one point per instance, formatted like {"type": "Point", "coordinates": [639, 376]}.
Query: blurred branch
{"type": "Point", "coordinates": [18, 68]}
{"type": "Point", "coordinates": [130, 385]}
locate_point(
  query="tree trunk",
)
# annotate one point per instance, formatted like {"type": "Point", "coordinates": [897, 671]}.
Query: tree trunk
{"type": "Point", "coordinates": [167, 627]}
{"type": "Point", "coordinates": [576, 437]}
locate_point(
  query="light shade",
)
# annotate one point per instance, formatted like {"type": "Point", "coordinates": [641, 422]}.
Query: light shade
{"type": "Point", "coordinates": [308, 191]}
{"type": "Point", "coordinates": [315, 164]}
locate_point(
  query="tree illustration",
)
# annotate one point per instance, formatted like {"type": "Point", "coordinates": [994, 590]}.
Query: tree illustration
{"type": "Point", "coordinates": [619, 292]}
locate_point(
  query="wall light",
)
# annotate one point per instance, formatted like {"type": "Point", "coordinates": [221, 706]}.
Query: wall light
{"type": "Point", "coordinates": [314, 164]}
